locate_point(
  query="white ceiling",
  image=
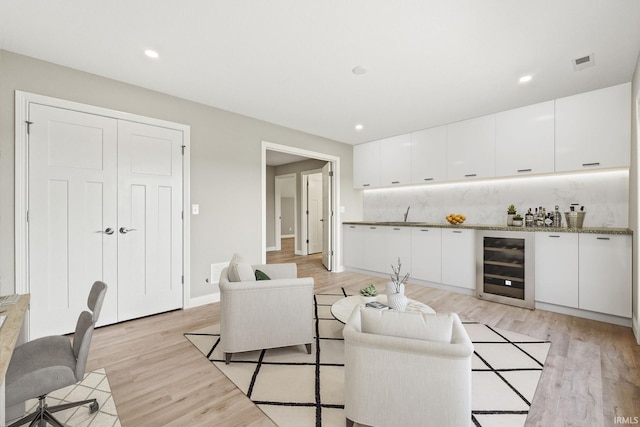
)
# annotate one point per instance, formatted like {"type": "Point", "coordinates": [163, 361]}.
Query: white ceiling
{"type": "Point", "coordinates": [289, 62]}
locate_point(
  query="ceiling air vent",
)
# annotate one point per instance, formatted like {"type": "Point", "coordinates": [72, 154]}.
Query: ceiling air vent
{"type": "Point", "coordinates": [584, 62]}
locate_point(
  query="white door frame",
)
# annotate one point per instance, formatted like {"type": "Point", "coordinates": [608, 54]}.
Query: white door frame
{"type": "Point", "coordinates": [22, 101]}
{"type": "Point", "coordinates": [278, 211]}
{"type": "Point", "coordinates": [337, 231]}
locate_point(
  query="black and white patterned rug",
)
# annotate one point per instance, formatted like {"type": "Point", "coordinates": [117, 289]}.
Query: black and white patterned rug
{"type": "Point", "coordinates": [95, 385]}
{"type": "Point", "coordinates": [296, 389]}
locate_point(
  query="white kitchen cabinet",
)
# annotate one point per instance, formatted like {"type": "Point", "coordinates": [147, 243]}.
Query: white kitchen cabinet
{"type": "Point", "coordinates": [525, 140]}
{"type": "Point", "coordinates": [605, 274]}
{"type": "Point", "coordinates": [459, 257]}
{"type": "Point", "coordinates": [429, 155]}
{"type": "Point", "coordinates": [556, 268]}
{"type": "Point", "coordinates": [395, 160]}
{"type": "Point", "coordinates": [471, 148]}
{"type": "Point", "coordinates": [366, 165]}
{"type": "Point", "coordinates": [593, 129]}
{"type": "Point", "coordinates": [352, 245]}
{"type": "Point", "coordinates": [426, 254]}
{"type": "Point", "coordinates": [374, 240]}
{"type": "Point", "coordinates": [398, 246]}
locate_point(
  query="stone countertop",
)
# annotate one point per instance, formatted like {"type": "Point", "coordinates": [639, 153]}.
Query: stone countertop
{"type": "Point", "coordinates": [495, 227]}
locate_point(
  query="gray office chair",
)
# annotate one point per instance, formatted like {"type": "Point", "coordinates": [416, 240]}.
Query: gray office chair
{"type": "Point", "coordinates": [46, 364]}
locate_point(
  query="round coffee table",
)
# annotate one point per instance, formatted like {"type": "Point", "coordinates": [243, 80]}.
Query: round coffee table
{"type": "Point", "coordinates": [343, 308]}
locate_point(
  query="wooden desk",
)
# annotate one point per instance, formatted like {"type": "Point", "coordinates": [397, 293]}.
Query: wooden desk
{"type": "Point", "coordinates": [9, 334]}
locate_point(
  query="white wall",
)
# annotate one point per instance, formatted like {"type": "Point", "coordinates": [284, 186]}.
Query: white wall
{"type": "Point", "coordinates": [226, 156]}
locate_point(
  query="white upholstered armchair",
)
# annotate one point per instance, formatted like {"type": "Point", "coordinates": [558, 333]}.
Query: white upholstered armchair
{"type": "Point", "coordinates": [259, 314]}
{"type": "Point", "coordinates": [407, 369]}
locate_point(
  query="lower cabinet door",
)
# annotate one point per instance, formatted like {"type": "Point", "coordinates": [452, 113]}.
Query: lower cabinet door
{"type": "Point", "coordinates": [556, 268]}
{"type": "Point", "coordinates": [605, 274]}
{"type": "Point", "coordinates": [459, 257]}
{"type": "Point", "coordinates": [426, 254]}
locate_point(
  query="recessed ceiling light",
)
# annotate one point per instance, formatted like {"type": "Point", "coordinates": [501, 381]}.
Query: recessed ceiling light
{"type": "Point", "coordinates": [151, 53]}
{"type": "Point", "coordinates": [525, 79]}
{"type": "Point", "coordinates": [359, 127]}
{"type": "Point", "coordinates": [359, 70]}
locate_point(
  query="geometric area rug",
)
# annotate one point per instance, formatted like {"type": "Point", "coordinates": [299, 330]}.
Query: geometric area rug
{"type": "Point", "coordinates": [95, 385]}
{"type": "Point", "coordinates": [296, 389]}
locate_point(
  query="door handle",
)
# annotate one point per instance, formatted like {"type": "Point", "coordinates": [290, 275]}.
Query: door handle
{"type": "Point", "coordinates": [125, 230]}
{"type": "Point", "coordinates": [108, 231]}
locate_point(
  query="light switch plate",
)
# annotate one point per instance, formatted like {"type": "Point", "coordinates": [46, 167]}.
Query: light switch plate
{"type": "Point", "coordinates": [195, 209]}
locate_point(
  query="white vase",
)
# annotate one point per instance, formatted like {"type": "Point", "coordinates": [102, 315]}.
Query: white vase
{"type": "Point", "coordinates": [396, 298]}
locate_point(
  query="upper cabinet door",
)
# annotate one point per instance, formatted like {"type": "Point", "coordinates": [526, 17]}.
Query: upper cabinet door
{"type": "Point", "coordinates": [471, 146]}
{"type": "Point", "coordinates": [525, 140]}
{"type": "Point", "coordinates": [366, 165]}
{"type": "Point", "coordinates": [396, 157]}
{"type": "Point", "coordinates": [429, 155]}
{"type": "Point", "coordinates": [593, 129]}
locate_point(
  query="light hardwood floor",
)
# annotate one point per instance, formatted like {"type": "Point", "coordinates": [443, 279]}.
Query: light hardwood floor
{"type": "Point", "coordinates": [592, 373]}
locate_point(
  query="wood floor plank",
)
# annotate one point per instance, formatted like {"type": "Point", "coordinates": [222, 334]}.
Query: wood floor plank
{"type": "Point", "coordinates": [159, 379]}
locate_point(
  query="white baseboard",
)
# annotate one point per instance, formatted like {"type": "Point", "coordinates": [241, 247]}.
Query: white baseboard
{"type": "Point", "coordinates": [271, 249]}
{"type": "Point", "coordinates": [287, 236]}
{"type": "Point", "coordinates": [299, 252]}
{"type": "Point", "coordinates": [636, 329]}
{"type": "Point", "coordinates": [203, 300]}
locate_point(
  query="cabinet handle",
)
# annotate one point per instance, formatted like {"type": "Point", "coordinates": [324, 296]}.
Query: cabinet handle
{"type": "Point", "coordinates": [397, 229]}
{"type": "Point", "coordinates": [428, 179]}
{"type": "Point", "coordinates": [366, 185]}
{"type": "Point", "coordinates": [524, 170]}
{"type": "Point", "coordinates": [553, 235]}
{"type": "Point", "coordinates": [373, 228]}
{"type": "Point", "coordinates": [470, 175]}
{"type": "Point", "coordinates": [352, 226]}
{"type": "Point", "coordinates": [457, 231]}
{"type": "Point", "coordinates": [603, 238]}
{"type": "Point", "coordinates": [424, 230]}
{"type": "Point", "coordinates": [591, 164]}
{"type": "Point", "coordinates": [395, 182]}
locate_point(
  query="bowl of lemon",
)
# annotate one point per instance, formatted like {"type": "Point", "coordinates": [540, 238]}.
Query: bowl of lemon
{"type": "Point", "coordinates": [455, 219]}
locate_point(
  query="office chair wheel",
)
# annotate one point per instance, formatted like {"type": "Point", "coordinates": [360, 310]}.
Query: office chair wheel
{"type": "Point", "coordinates": [93, 408]}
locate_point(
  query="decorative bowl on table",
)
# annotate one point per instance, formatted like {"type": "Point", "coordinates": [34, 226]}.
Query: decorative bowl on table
{"type": "Point", "coordinates": [455, 219]}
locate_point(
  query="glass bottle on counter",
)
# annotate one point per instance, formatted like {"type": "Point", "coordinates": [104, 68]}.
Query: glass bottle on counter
{"type": "Point", "coordinates": [557, 218]}
{"type": "Point", "coordinates": [528, 219]}
{"type": "Point", "coordinates": [540, 218]}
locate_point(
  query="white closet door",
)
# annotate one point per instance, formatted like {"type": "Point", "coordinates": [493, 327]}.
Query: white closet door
{"type": "Point", "coordinates": [72, 204]}
{"type": "Point", "coordinates": [149, 219]}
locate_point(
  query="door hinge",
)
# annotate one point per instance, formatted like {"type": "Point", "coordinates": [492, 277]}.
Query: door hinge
{"type": "Point", "coordinates": [27, 216]}
{"type": "Point", "coordinates": [182, 215]}
{"type": "Point", "coordinates": [307, 241]}
{"type": "Point", "coordinates": [331, 253]}
{"type": "Point", "coordinates": [28, 126]}
{"type": "Point", "coordinates": [183, 147]}
{"type": "Point", "coordinates": [182, 279]}
{"type": "Point", "coordinates": [331, 173]}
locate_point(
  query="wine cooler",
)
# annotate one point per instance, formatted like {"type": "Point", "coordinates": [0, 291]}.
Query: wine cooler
{"type": "Point", "coordinates": [505, 267]}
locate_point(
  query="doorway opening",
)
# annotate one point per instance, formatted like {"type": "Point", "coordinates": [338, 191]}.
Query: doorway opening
{"type": "Point", "coordinates": [314, 230]}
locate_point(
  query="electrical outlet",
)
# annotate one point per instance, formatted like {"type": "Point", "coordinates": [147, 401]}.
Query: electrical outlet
{"type": "Point", "coordinates": [195, 209]}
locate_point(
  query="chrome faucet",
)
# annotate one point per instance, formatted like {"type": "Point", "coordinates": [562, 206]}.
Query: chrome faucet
{"type": "Point", "coordinates": [406, 214]}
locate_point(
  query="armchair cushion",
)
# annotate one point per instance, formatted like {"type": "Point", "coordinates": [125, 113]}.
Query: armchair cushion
{"type": "Point", "coordinates": [240, 271]}
{"type": "Point", "coordinates": [422, 326]}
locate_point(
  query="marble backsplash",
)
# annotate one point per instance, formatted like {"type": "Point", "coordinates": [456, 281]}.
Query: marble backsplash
{"type": "Point", "coordinates": [605, 196]}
